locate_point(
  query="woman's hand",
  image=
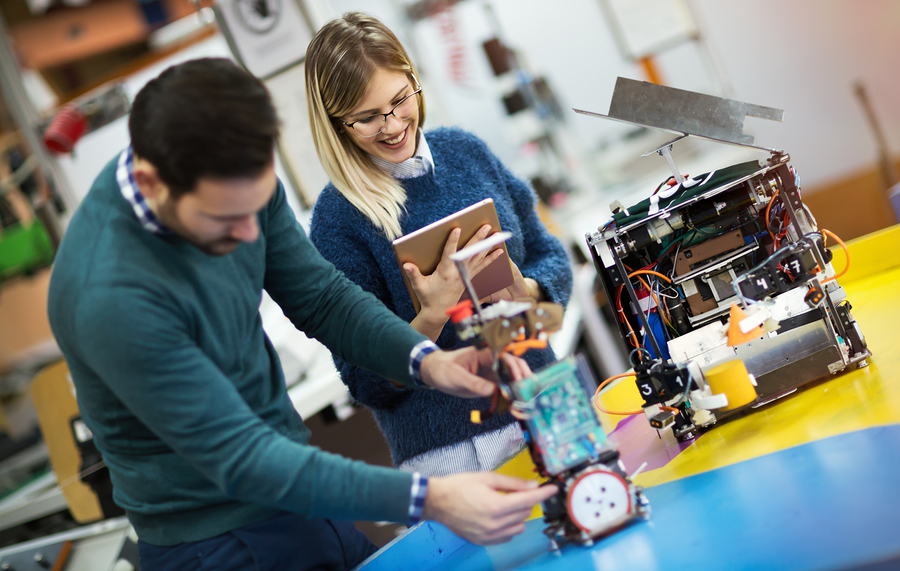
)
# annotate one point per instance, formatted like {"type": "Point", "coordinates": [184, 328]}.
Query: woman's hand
{"type": "Point", "coordinates": [442, 289]}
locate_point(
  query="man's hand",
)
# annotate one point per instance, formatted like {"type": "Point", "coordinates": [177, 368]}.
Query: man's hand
{"type": "Point", "coordinates": [468, 372]}
{"type": "Point", "coordinates": [457, 372]}
{"type": "Point", "coordinates": [516, 367]}
{"type": "Point", "coordinates": [475, 507]}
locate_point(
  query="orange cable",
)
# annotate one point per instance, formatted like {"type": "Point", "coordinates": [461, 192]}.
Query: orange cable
{"type": "Point", "coordinates": [518, 348]}
{"type": "Point", "coordinates": [603, 384]}
{"type": "Point", "coordinates": [621, 315]}
{"type": "Point", "coordinates": [846, 253]}
{"type": "Point", "coordinates": [769, 209]}
{"type": "Point", "coordinates": [632, 274]}
{"type": "Point", "coordinates": [663, 314]}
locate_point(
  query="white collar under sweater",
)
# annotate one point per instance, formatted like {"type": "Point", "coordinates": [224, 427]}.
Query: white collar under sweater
{"type": "Point", "coordinates": [421, 163]}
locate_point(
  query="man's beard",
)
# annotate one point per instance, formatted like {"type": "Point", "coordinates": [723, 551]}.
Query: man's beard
{"type": "Point", "coordinates": [167, 214]}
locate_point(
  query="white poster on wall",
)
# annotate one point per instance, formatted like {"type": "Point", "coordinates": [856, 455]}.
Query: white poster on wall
{"type": "Point", "coordinates": [643, 28]}
{"type": "Point", "coordinates": [266, 36]}
{"type": "Point", "coordinates": [288, 91]}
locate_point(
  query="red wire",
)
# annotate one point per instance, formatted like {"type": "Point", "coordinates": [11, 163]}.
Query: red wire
{"type": "Point", "coordinates": [494, 400]}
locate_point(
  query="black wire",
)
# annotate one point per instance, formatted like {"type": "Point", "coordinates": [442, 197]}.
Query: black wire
{"type": "Point", "coordinates": [631, 355]}
{"type": "Point", "coordinates": [695, 229]}
{"type": "Point", "coordinates": [775, 215]}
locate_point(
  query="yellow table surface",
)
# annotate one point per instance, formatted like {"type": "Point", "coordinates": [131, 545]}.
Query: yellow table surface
{"type": "Point", "coordinates": [855, 399]}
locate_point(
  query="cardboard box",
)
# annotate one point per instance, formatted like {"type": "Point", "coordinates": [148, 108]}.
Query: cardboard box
{"type": "Point", "coordinates": [25, 333]}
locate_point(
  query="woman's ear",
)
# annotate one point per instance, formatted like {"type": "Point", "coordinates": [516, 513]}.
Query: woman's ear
{"type": "Point", "coordinates": [339, 126]}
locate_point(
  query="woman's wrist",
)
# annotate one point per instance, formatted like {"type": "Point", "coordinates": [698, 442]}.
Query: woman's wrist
{"type": "Point", "coordinates": [430, 322]}
{"type": "Point", "coordinates": [534, 289]}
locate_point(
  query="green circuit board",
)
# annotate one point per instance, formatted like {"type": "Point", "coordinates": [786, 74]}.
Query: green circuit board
{"type": "Point", "coordinates": [560, 417]}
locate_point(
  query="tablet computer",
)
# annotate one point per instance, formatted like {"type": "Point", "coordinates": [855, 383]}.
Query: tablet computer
{"type": "Point", "coordinates": [424, 247]}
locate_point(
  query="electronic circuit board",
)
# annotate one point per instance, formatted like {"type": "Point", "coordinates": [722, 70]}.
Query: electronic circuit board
{"type": "Point", "coordinates": [559, 416]}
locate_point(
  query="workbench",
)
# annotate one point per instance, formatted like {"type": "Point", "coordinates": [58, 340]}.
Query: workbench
{"type": "Point", "coordinates": [808, 482]}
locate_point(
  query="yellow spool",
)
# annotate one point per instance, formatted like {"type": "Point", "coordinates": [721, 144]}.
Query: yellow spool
{"type": "Point", "coordinates": [732, 380]}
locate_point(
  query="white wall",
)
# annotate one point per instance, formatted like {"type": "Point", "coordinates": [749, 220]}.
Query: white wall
{"type": "Point", "coordinates": [801, 56]}
{"type": "Point", "coordinates": [97, 148]}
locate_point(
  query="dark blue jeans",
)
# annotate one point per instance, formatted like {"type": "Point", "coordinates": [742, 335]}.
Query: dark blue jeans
{"type": "Point", "coordinates": [287, 542]}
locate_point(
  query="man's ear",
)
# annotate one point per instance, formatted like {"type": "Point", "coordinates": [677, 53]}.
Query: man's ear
{"type": "Point", "coordinates": [148, 182]}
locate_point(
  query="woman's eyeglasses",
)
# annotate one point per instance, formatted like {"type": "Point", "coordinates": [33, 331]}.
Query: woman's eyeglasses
{"type": "Point", "coordinates": [374, 124]}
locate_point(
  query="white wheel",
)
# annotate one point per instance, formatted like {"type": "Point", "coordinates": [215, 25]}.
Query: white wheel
{"type": "Point", "coordinates": [597, 499]}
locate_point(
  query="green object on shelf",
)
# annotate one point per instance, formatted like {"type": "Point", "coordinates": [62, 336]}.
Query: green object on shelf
{"type": "Point", "coordinates": [23, 249]}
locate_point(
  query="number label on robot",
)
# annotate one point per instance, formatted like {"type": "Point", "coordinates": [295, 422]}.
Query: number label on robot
{"type": "Point", "coordinates": [761, 282]}
{"type": "Point", "coordinates": [646, 388]}
{"type": "Point", "coordinates": [795, 264]}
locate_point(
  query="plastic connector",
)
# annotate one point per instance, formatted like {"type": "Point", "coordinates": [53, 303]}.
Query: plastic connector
{"type": "Point", "coordinates": [461, 311]}
{"type": "Point", "coordinates": [662, 419]}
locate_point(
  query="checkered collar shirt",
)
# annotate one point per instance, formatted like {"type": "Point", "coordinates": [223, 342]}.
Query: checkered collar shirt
{"type": "Point", "coordinates": [125, 178]}
{"type": "Point", "coordinates": [420, 164]}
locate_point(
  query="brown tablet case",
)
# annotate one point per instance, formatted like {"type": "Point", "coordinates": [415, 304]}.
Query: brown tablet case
{"type": "Point", "coordinates": [424, 246]}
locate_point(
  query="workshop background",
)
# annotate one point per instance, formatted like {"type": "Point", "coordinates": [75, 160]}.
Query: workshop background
{"type": "Point", "coordinates": [509, 71]}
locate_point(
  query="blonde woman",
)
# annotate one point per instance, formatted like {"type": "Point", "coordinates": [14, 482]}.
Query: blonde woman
{"type": "Point", "coordinates": [388, 178]}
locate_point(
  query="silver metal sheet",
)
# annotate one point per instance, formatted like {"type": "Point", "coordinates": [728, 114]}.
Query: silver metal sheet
{"type": "Point", "coordinates": [769, 354]}
{"type": "Point", "coordinates": [685, 112]}
{"type": "Point", "coordinates": [718, 263]}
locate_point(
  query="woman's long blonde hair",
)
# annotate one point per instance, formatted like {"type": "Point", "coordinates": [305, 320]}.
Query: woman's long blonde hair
{"type": "Point", "coordinates": [341, 61]}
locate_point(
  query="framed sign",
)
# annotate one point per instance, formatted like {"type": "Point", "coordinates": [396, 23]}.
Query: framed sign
{"type": "Point", "coordinates": [643, 28]}
{"type": "Point", "coordinates": [266, 36]}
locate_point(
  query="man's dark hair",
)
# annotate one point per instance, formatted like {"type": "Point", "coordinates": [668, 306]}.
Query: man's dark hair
{"type": "Point", "coordinates": [204, 118]}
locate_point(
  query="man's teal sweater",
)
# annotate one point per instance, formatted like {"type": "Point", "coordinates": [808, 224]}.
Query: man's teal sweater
{"type": "Point", "coordinates": [183, 390]}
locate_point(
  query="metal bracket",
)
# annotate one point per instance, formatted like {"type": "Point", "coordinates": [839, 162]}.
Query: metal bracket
{"type": "Point", "coordinates": [685, 112]}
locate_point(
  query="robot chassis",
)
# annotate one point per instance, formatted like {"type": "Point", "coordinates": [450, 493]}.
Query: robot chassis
{"type": "Point", "coordinates": [739, 236]}
{"type": "Point", "coordinates": [553, 407]}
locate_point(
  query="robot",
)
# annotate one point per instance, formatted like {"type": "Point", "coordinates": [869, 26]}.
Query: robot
{"type": "Point", "coordinates": [723, 267]}
{"type": "Point", "coordinates": [564, 436]}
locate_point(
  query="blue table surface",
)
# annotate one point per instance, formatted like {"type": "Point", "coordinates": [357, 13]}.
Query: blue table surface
{"type": "Point", "coordinates": [832, 504]}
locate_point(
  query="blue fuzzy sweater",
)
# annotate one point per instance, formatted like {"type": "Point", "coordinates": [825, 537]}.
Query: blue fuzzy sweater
{"type": "Point", "coordinates": [465, 172]}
